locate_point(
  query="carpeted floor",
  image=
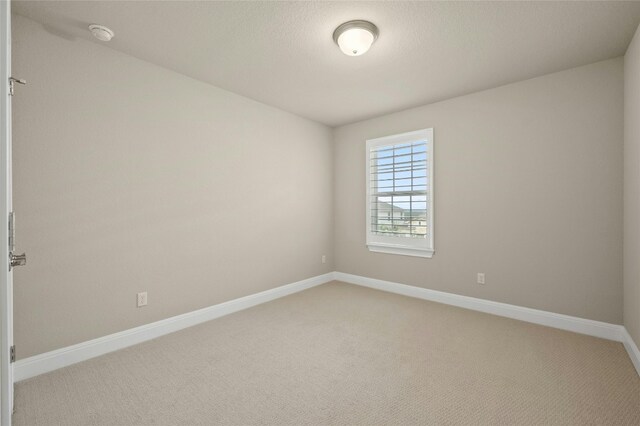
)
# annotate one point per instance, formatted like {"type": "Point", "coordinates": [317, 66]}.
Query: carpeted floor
{"type": "Point", "coordinates": [342, 354]}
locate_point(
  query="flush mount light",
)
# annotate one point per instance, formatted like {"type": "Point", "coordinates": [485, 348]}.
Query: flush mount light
{"type": "Point", "coordinates": [101, 32]}
{"type": "Point", "coordinates": [355, 37]}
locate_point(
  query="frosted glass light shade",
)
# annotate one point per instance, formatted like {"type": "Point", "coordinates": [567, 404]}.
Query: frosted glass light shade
{"type": "Point", "coordinates": [355, 37]}
{"type": "Point", "coordinates": [355, 41]}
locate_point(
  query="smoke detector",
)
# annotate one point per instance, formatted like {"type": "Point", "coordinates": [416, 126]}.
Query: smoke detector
{"type": "Point", "coordinates": [101, 32]}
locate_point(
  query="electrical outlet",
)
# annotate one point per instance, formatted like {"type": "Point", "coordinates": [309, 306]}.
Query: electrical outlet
{"type": "Point", "coordinates": [142, 299]}
{"type": "Point", "coordinates": [324, 258]}
{"type": "Point", "coordinates": [480, 277]}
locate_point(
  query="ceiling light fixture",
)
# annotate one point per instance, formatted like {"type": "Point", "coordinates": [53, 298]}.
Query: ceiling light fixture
{"type": "Point", "coordinates": [355, 37]}
{"type": "Point", "coordinates": [101, 32]}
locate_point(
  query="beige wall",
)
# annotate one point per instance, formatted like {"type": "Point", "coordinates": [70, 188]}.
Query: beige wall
{"type": "Point", "coordinates": [130, 177]}
{"type": "Point", "coordinates": [528, 189]}
{"type": "Point", "coordinates": [632, 189]}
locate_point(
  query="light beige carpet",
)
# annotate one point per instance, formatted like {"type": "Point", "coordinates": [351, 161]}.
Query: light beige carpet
{"type": "Point", "coordinates": [342, 354]}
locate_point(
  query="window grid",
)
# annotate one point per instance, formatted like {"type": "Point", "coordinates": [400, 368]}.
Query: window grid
{"type": "Point", "coordinates": [399, 179]}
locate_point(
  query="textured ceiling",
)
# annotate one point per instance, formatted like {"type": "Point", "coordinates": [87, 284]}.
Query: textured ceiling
{"type": "Point", "coordinates": [282, 53]}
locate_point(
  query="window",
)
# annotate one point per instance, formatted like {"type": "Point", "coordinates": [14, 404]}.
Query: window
{"type": "Point", "coordinates": [400, 194]}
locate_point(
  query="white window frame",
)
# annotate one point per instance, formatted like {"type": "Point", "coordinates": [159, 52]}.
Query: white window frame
{"type": "Point", "coordinates": [421, 247]}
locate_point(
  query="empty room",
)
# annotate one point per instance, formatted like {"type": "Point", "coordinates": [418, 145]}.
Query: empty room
{"type": "Point", "coordinates": [319, 213]}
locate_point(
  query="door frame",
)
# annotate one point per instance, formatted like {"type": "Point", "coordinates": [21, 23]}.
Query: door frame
{"type": "Point", "coordinates": [6, 276]}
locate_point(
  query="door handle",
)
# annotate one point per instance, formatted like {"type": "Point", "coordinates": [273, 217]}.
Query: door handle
{"type": "Point", "coordinates": [17, 260]}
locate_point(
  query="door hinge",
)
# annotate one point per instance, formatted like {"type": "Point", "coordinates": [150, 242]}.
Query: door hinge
{"type": "Point", "coordinates": [12, 82]}
{"type": "Point", "coordinates": [12, 353]}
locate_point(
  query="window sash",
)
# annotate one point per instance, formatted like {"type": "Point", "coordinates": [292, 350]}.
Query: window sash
{"type": "Point", "coordinates": [400, 193]}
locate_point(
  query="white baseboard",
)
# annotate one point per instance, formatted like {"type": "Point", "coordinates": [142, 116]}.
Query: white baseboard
{"type": "Point", "coordinates": [49, 361]}
{"type": "Point", "coordinates": [632, 349]}
{"type": "Point", "coordinates": [603, 330]}
{"type": "Point", "coordinates": [550, 319]}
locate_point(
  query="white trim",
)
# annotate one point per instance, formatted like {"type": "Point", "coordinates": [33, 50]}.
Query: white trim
{"type": "Point", "coordinates": [49, 361]}
{"type": "Point", "coordinates": [564, 322]}
{"type": "Point", "coordinates": [419, 247]}
{"type": "Point", "coordinates": [632, 349]}
{"type": "Point", "coordinates": [6, 276]}
{"type": "Point", "coordinates": [604, 330]}
{"type": "Point", "coordinates": [386, 248]}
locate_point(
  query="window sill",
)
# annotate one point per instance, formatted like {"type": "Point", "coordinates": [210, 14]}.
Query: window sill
{"type": "Point", "coordinates": [404, 251]}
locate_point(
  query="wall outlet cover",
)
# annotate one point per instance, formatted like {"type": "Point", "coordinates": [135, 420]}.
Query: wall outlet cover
{"type": "Point", "coordinates": [142, 299]}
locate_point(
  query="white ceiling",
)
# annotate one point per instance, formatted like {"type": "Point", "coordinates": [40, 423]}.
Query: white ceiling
{"type": "Point", "coordinates": [282, 53]}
